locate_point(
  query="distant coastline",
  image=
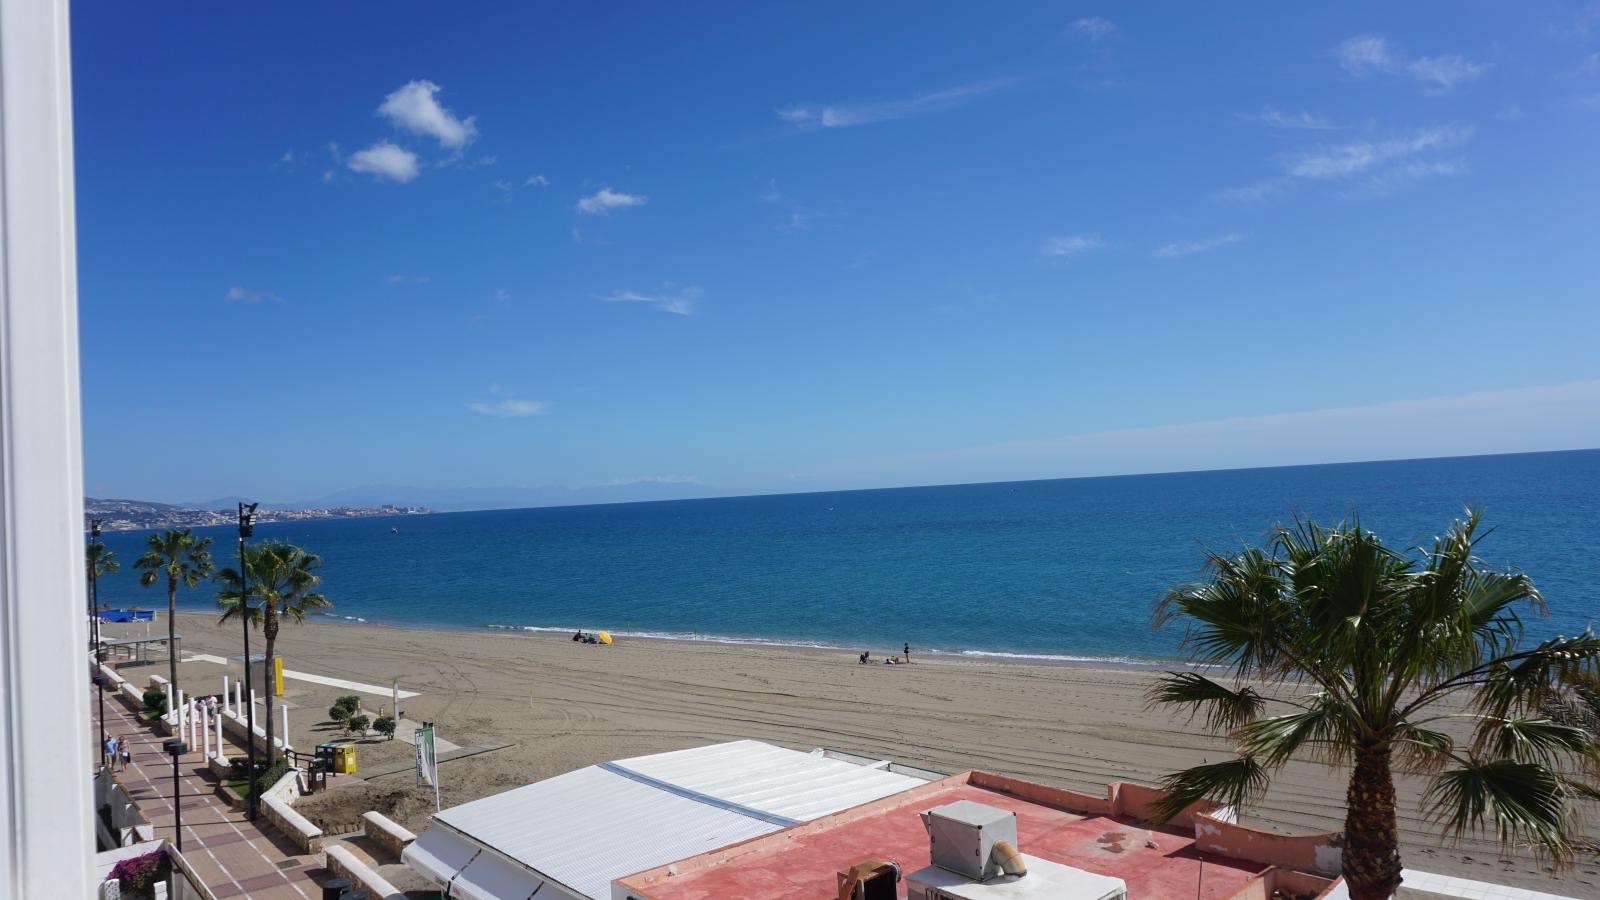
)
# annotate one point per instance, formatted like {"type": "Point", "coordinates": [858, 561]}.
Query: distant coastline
{"type": "Point", "coordinates": [138, 515]}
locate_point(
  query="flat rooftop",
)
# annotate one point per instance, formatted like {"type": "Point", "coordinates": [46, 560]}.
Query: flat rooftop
{"type": "Point", "coordinates": [1155, 861]}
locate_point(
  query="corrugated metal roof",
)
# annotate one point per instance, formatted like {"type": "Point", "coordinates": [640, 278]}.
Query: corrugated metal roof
{"type": "Point", "coordinates": [588, 827]}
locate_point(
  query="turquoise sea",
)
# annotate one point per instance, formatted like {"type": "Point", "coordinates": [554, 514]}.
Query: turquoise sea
{"type": "Point", "coordinates": [1064, 569]}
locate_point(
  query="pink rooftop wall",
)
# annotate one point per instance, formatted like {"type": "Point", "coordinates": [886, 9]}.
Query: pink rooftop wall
{"type": "Point", "coordinates": [1293, 856]}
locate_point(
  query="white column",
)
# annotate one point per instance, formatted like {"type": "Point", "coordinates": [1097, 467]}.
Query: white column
{"type": "Point", "coordinates": [220, 746]}
{"type": "Point", "coordinates": [395, 710]}
{"type": "Point", "coordinates": [225, 694]}
{"type": "Point", "coordinates": [251, 737]}
{"type": "Point", "coordinates": [238, 699]}
{"type": "Point", "coordinates": [205, 734]}
{"type": "Point", "coordinates": [177, 707]}
{"type": "Point", "coordinates": [283, 734]}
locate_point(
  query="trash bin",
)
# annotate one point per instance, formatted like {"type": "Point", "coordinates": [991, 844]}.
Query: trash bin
{"type": "Point", "coordinates": [344, 759]}
{"type": "Point", "coordinates": [335, 888]}
{"type": "Point", "coordinates": [325, 753]}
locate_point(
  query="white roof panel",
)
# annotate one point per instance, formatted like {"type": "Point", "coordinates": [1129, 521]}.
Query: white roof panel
{"type": "Point", "coordinates": [491, 878]}
{"type": "Point", "coordinates": [586, 828]}
{"type": "Point", "coordinates": [439, 854]}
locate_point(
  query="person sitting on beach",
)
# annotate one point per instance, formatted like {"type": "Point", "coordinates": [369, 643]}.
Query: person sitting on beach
{"type": "Point", "coordinates": [578, 636]}
{"type": "Point", "coordinates": [864, 655]}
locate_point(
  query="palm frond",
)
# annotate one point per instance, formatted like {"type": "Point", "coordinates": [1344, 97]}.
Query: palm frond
{"type": "Point", "coordinates": [1322, 729]}
{"type": "Point", "coordinates": [1236, 782]}
{"type": "Point", "coordinates": [1225, 709]}
{"type": "Point", "coordinates": [1533, 740]}
{"type": "Point", "coordinates": [1527, 804]}
{"type": "Point", "coordinates": [1423, 749]}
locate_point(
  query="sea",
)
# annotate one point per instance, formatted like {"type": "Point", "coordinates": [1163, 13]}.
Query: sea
{"type": "Point", "coordinates": [1065, 570]}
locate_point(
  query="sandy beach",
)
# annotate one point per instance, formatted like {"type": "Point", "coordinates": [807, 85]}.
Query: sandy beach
{"type": "Point", "coordinates": [561, 705]}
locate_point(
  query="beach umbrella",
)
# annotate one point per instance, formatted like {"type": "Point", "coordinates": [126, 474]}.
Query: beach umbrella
{"type": "Point", "coordinates": [604, 636]}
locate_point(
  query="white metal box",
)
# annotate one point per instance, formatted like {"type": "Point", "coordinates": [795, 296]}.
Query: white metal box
{"type": "Point", "coordinates": [961, 836]}
{"type": "Point", "coordinates": [1045, 880]}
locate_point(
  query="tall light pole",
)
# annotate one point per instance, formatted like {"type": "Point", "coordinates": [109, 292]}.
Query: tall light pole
{"type": "Point", "coordinates": [247, 528]}
{"type": "Point", "coordinates": [94, 634]}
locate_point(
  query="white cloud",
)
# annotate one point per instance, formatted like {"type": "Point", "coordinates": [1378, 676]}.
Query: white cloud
{"type": "Point", "coordinates": [1253, 193]}
{"type": "Point", "coordinates": [680, 301]}
{"type": "Point", "coordinates": [1393, 179]}
{"type": "Point", "coordinates": [1072, 245]}
{"type": "Point", "coordinates": [536, 181]}
{"type": "Point", "coordinates": [415, 108]}
{"type": "Point", "coordinates": [407, 279]}
{"type": "Point", "coordinates": [1175, 249]}
{"type": "Point", "coordinates": [848, 115]}
{"type": "Point", "coordinates": [507, 406]}
{"type": "Point", "coordinates": [1095, 28]}
{"type": "Point", "coordinates": [1370, 54]}
{"type": "Point", "coordinates": [605, 200]}
{"type": "Point", "coordinates": [238, 294]}
{"type": "Point", "coordinates": [1277, 118]}
{"type": "Point", "coordinates": [1346, 160]}
{"type": "Point", "coordinates": [501, 295]}
{"type": "Point", "coordinates": [771, 194]}
{"type": "Point", "coordinates": [385, 160]}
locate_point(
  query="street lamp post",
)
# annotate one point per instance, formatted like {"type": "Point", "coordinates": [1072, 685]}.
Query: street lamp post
{"type": "Point", "coordinates": [247, 529]}
{"type": "Point", "coordinates": [100, 686]}
{"type": "Point", "coordinates": [94, 633]}
{"type": "Point", "coordinates": [177, 748]}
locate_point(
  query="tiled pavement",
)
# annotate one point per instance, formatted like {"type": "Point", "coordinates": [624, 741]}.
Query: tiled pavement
{"type": "Point", "coordinates": [231, 855]}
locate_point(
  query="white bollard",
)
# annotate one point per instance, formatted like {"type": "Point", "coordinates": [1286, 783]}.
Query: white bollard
{"type": "Point", "coordinates": [177, 707]}
{"type": "Point", "coordinates": [168, 689]}
{"type": "Point", "coordinates": [205, 733]}
{"type": "Point", "coordinates": [225, 693]}
{"type": "Point", "coordinates": [283, 735]}
{"type": "Point", "coordinates": [238, 699]}
{"type": "Point", "coordinates": [220, 746]}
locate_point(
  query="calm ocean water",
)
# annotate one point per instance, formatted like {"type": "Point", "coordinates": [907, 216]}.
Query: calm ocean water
{"type": "Point", "coordinates": [1067, 569]}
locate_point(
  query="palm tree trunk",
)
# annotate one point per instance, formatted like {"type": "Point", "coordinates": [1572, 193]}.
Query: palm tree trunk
{"type": "Point", "coordinates": [269, 630]}
{"type": "Point", "coordinates": [1371, 839]}
{"type": "Point", "coordinates": [172, 635]}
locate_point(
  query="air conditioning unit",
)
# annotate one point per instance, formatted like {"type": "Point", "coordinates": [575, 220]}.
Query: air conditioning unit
{"type": "Point", "coordinates": [962, 835]}
{"type": "Point", "coordinates": [1045, 880]}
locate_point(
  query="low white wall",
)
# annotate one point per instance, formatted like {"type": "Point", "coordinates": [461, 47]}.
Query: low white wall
{"type": "Point", "coordinates": [386, 833]}
{"type": "Point", "coordinates": [275, 803]}
{"type": "Point", "coordinates": [343, 863]}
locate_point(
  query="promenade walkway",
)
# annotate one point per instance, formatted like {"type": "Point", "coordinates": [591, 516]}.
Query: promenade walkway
{"type": "Point", "coordinates": [232, 856]}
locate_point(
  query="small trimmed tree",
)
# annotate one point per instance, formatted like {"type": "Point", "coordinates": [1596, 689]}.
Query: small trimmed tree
{"type": "Point", "coordinates": [384, 725]}
{"type": "Point", "coordinates": [357, 724]}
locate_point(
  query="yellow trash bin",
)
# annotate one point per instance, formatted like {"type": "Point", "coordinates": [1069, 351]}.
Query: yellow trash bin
{"type": "Point", "coordinates": [344, 759]}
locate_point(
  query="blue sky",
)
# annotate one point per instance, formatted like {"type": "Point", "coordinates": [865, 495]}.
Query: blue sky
{"type": "Point", "coordinates": [731, 248]}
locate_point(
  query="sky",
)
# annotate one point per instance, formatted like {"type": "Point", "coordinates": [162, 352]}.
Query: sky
{"type": "Point", "coordinates": [628, 251]}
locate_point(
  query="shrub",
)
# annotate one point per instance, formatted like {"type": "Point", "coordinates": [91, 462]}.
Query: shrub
{"type": "Point", "coordinates": [349, 701]}
{"type": "Point", "coordinates": [155, 700]}
{"type": "Point", "coordinates": [339, 712]}
{"type": "Point", "coordinates": [384, 725]}
{"type": "Point", "coordinates": [238, 766]}
{"type": "Point", "coordinates": [138, 874]}
{"type": "Point", "coordinates": [357, 724]}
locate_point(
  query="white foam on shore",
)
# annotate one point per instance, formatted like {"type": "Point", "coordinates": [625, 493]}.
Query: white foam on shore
{"type": "Point", "coordinates": [696, 637]}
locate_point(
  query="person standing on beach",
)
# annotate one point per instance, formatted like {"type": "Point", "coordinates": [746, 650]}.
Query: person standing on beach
{"type": "Point", "coordinates": [908, 651]}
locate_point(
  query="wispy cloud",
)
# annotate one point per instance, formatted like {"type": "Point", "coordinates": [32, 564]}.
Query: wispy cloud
{"type": "Point", "coordinates": [1346, 160]}
{"type": "Point", "coordinates": [1277, 118]}
{"type": "Point", "coordinates": [415, 107]}
{"type": "Point", "coordinates": [1095, 28]}
{"type": "Point", "coordinates": [605, 200]}
{"type": "Point", "coordinates": [506, 405]}
{"type": "Point", "coordinates": [1370, 54]}
{"type": "Point", "coordinates": [1254, 193]}
{"type": "Point", "coordinates": [680, 301]}
{"type": "Point", "coordinates": [238, 294]}
{"type": "Point", "coordinates": [406, 279]}
{"type": "Point", "coordinates": [771, 194]}
{"type": "Point", "coordinates": [652, 479]}
{"type": "Point", "coordinates": [1072, 245]}
{"type": "Point", "coordinates": [385, 160]}
{"type": "Point", "coordinates": [851, 115]}
{"type": "Point", "coordinates": [501, 295]}
{"type": "Point", "coordinates": [536, 181]}
{"type": "Point", "coordinates": [1390, 180]}
{"type": "Point", "coordinates": [1176, 249]}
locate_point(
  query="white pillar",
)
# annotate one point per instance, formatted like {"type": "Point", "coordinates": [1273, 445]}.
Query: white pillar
{"type": "Point", "coordinates": [252, 737]}
{"type": "Point", "coordinates": [225, 692]}
{"type": "Point", "coordinates": [283, 733]}
{"type": "Point", "coordinates": [177, 709]}
{"type": "Point", "coordinates": [220, 746]}
{"type": "Point", "coordinates": [395, 710]}
{"type": "Point", "coordinates": [238, 699]}
{"type": "Point", "coordinates": [205, 734]}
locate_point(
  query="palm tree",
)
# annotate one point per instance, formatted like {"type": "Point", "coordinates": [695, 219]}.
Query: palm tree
{"type": "Point", "coordinates": [98, 561]}
{"type": "Point", "coordinates": [182, 557]}
{"type": "Point", "coordinates": [1375, 651]}
{"type": "Point", "coordinates": [282, 584]}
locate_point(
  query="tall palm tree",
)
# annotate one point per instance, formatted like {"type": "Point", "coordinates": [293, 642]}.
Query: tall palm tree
{"type": "Point", "coordinates": [182, 557]}
{"type": "Point", "coordinates": [97, 561]}
{"type": "Point", "coordinates": [282, 583]}
{"type": "Point", "coordinates": [1381, 657]}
